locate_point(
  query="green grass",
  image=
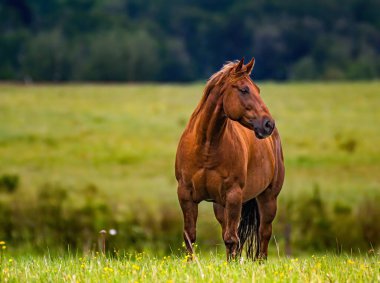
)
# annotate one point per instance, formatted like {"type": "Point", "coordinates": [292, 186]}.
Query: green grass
{"type": "Point", "coordinates": [123, 138]}
{"type": "Point", "coordinates": [209, 268]}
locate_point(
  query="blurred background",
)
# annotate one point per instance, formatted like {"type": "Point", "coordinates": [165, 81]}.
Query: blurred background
{"type": "Point", "coordinates": [84, 155]}
{"type": "Point", "coordinates": [162, 40]}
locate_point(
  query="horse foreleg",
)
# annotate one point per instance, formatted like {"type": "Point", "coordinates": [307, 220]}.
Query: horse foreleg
{"type": "Point", "coordinates": [220, 216]}
{"type": "Point", "coordinates": [267, 207]}
{"type": "Point", "coordinates": [190, 214]}
{"type": "Point", "coordinates": [232, 216]}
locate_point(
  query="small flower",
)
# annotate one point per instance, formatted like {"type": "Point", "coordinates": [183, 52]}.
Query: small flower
{"type": "Point", "coordinates": [2, 243]}
{"type": "Point", "coordinates": [3, 247]}
{"type": "Point", "coordinates": [350, 261]}
{"type": "Point", "coordinates": [107, 269]}
{"type": "Point", "coordinates": [136, 267]}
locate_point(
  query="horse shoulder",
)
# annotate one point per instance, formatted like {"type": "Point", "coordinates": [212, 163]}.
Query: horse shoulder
{"type": "Point", "coordinates": [186, 157]}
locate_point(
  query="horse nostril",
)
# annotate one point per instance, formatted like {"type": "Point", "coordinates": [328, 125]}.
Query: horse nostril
{"type": "Point", "coordinates": [268, 125]}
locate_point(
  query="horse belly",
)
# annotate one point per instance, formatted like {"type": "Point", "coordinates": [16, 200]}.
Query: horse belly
{"type": "Point", "coordinates": [259, 175]}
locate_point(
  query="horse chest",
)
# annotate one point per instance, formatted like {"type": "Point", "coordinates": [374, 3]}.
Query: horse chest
{"type": "Point", "coordinates": [208, 184]}
{"type": "Point", "coordinates": [213, 178]}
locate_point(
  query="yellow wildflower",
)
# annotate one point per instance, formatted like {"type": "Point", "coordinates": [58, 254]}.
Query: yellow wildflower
{"type": "Point", "coordinates": [107, 269]}
{"type": "Point", "coordinates": [2, 243]}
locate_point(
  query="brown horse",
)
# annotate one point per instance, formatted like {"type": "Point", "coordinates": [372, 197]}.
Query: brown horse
{"type": "Point", "coordinates": [230, 154]}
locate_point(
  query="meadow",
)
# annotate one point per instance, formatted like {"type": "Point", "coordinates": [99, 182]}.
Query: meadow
{"type": "Point", "coordinates": [111, 148]}
{"type": "Point", "coordinates": [123, 138]}
{"type": "Point", "coordinates": [209, 268]}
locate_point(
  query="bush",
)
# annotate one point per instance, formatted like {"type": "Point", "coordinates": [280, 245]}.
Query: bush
{"type": "Point", "coordinates": [369, 219]}
{"type": "Point", "coordinates": [58, 217]}
{"type": "Point", "coordinates": [9, 182]}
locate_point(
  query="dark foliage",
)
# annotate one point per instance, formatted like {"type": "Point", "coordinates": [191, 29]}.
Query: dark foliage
{"type": "Point", "coordinates": [61, 218]}
{"type": "Point", "coordinates": [162, 40]}
{"type": "Point", "coordinates": [9, 182]}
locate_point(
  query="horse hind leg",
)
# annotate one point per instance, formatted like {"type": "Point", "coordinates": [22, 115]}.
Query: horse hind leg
{"type": "Point", "coordinates": [267, 203]}
{"type": "Point", "coordinates": [190, 214]}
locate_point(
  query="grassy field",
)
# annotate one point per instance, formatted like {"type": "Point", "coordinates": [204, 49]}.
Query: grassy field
{"type": "Point", "coordinates": [208, 268]}
{"type": "Point", "coordinates": [123, 138]}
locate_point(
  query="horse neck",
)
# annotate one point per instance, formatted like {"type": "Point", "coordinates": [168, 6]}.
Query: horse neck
{"type": "Point", "coordinates": [212, 120]}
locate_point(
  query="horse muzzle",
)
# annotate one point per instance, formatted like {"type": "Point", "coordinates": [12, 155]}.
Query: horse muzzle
{"type": "Point", "coordinates": [263, 128]}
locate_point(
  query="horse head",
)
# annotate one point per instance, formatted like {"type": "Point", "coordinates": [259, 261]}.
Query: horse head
{"type": "Point", "coordinates": [242, 101]}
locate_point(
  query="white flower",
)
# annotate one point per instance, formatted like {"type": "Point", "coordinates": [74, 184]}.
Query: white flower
{"type": "Point", "coordinates": [113, 232]}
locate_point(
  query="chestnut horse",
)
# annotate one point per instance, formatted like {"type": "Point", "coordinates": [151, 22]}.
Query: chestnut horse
{"type": "Point", "coordinates": [230, 154]}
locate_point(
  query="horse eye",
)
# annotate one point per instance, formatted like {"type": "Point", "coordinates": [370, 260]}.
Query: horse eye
{"type": "Point", "coordinates": [244, 90]}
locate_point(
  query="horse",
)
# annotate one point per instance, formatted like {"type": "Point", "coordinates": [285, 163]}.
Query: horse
{"type": "Point", "coordinates": [230, 154]}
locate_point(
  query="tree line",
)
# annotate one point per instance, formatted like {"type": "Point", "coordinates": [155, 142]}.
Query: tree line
{"type": "Point", "coordinates": [162, 40]}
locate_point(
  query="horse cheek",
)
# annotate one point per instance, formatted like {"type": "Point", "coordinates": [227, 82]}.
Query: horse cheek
{"type": "Point", "coordinates": [232, 107]}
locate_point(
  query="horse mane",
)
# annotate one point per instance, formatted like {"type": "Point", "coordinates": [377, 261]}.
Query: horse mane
{"type": "Point", "coordinates": [216, 80]}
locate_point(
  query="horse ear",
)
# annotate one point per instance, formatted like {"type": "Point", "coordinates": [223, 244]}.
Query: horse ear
{"type": "Point", "coordinates": [239, 66]}
{"type": "Point", "coordinates": [249, 66]}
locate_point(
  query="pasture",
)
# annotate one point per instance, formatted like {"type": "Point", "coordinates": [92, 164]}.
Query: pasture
{"type": "Point", "coordinates": [122, 139]}
{"type": "Point", "coordinates": [147, 268]}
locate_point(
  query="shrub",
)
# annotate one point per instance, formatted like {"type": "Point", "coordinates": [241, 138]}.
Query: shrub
{"type": "Point", "coordinates": [9, 182]}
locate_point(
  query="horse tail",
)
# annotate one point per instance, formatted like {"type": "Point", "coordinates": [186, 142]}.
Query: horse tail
{"type": "Point", "coordinates": [248, 231]}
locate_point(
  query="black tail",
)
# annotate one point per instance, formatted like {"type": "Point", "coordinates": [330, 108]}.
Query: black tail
{"type": "Point", "coordinates": [249, 229]}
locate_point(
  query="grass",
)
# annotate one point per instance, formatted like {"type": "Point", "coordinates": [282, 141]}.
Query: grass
{"type": "Point", "coordinates": [123, 138]}
{"type": "Point", "coordinates": [211, 268]}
